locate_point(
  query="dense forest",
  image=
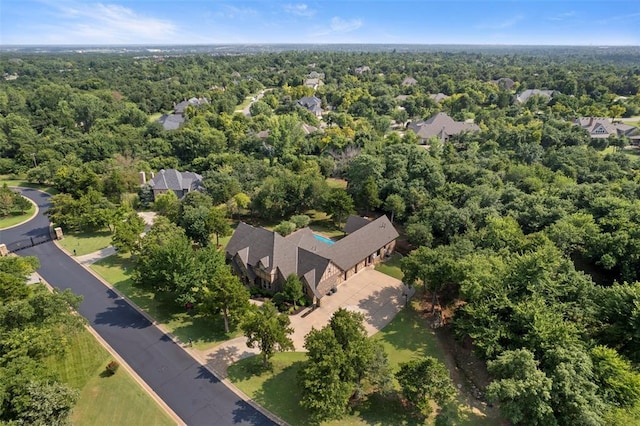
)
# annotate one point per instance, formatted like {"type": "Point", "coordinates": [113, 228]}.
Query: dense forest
{"type": "Point", "coordinates": [528, 230]}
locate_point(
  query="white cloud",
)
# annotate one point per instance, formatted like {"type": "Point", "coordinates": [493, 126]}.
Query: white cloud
{"type": "Point", "coordinates": [340, 25]}
{"type": "Point", "coordinates": [232, 12]}
{"type": "Point", "coordinates": [299, 9]}
{"type": "Point", "coordinates": [501, 25]}
{"type": "Point", "coordinates": [562, 16]}
{"type": "Point", "coordinates": [105, 23]}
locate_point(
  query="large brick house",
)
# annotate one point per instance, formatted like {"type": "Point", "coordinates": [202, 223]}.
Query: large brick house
{"type": "Point", "coordinates": [265, 259]}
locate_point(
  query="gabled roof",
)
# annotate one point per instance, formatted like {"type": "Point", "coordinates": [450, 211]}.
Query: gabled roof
{"type": "Point", "coordinates": [600, 127]}
{"type": "Point", "coordinates": [180, 107]}
{"type": "Point", "coordinates": [309, 101]}
{"type": "Point", "coordinates": [355, 247]}
{"type": "Point", "coordinates": [171, 121]}
{"type": "Point", "coordinates": [302, 253]}
{"type": "Point", "coordinates": [441, 126]}
{"type": "Point", "coordinates": [354, 223]}
{"type": "Point", "coordinates": [177, 181]}
{"type": "Point", "coordinates": [438, 97]}
{"type": "Point", "coordinates": [524, 96]}
{"type": "Point", "coordinates": [409, 81]}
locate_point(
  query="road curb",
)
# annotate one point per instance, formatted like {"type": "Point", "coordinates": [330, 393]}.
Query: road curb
{"type": "Point", "coordinates": [178, 342]}
{"type": "Point", "coordinates": [31, 201]}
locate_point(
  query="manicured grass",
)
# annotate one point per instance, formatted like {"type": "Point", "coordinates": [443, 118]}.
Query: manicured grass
{"type": "Point", "coordinates": [336, 183]}
{"type": "Point", "coordinates": [154, 117]}
{"type": "Point", "coordinates": [14, 181]}
{"type": "Point", "coordinates": [86, 242]}
{"type": "Point", "coordinates": [391, 267]}
{"type": "Point", "coordinates": [115, 400]}
{"type": "Point", "coordinates": [322, 224]}
{"type": "Point", "coordinates": [11, 220]}
{"type": "Point", "coordinates": [406, 337]}
{"type": "Point", "coordinates": [204, 332]}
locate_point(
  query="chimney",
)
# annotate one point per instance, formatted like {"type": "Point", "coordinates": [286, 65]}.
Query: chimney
{"type": "Point", "coordinates": [153, 175]}
{"type": "Point", "coordinates": [143, 178]}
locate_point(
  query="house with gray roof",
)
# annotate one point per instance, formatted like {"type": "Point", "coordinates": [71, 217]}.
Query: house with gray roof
{"type": "Point", "coordinates": [312, 104]}
{"type": "Point", "coordinates": [264, 258]}
{"type": "Point", "coordinates": [602, 128]}
{"type": "Point", "coordinates": [440, 126]}
{"type": "Point", "coordinates": [180, 183]}
{"type": "Point", "coordinates": [174, 120]}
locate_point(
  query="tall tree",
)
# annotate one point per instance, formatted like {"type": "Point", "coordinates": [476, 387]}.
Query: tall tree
{"type": "Point", "coordinates": [524, 392]}
{"type": "Point", "coordinates": [423, 380]}
{"type": "Point", "coordinates": [268, 330]}
{"type": "Point", "coordinates": [219, 290]}
{"type": "Point", "coordinates": [293, 290]}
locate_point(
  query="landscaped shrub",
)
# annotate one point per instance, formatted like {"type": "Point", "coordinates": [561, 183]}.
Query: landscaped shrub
{"type": "Point", "coordinates": [111, 368]}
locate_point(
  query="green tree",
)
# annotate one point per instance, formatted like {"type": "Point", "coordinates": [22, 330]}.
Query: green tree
{"type": "Point", "coordinates": [285, 228]}
{"type": "Point", "coordinates": [338, 204]}
{"type": "Point", "coordinates": [293, 290]}
{"type": "Point", "coordinates": [268, 330]}
{"type": "Point", "coordinates": [128, 228]}
{"type": "Point", "coordinates": [423, 380]}
{"type": "Point", "coordinates": [219, 224]}
{"type": "Point", "coordinates": [343, 354]}
{"type": "Point", "coordinates": [618, 382]}
{"type": "Point", "coordinates": [196, 224]}
{"type": "Point", "coordinates": [220, 292]}
{"type": "Point", "coordinates": [48, 404]}
{"type": "Point", "coordinates": [168, 205]}
{"type": "Point", "coordinates": [395, 205]}
{"type": "Point", "coordinates": [523, 391]}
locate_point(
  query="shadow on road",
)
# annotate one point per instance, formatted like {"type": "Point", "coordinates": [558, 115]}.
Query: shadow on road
{"type": "Point", "coordinates": [121, 315]}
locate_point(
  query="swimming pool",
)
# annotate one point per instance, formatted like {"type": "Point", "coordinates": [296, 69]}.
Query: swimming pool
{"type": "Point", "coordinates": [324, 239]}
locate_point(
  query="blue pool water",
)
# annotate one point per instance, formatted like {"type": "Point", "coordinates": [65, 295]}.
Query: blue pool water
{"type": "Point", "coordinates": [323, 239]}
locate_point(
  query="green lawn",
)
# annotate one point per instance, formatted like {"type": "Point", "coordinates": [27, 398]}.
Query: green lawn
{"type": "Point", "coordinates": [86, 242]}
{"type": "Point", "coordinates": [323, 224]}
{"type": "Point", "coordinates": [204, 332]}
{"type": "Point", "coordinates": [11, 220]}
{"type": "Point", "coordinates": [336, 183]}
{"type": "Point", "coordinates": [115, 400]}
{"type": "Point", "coordinates": [406, 337]}
{"type": "Point", "coordinates": [14, 181]}
{"type": "Point", "coordinates": [391, 267]}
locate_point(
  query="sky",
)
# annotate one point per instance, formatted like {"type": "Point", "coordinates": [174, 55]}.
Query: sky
{"type": "Point", "coordinates": [162, 22]}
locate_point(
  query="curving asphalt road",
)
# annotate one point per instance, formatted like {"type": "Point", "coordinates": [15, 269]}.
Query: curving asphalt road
{"type": "Point", "coordinates": [191, 391]}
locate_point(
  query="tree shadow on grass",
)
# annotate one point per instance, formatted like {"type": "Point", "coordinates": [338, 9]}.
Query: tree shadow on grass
{"type": "Point", "coordinates": [376, 409]}
{"type": "Point", "coordinates": [280, 394]}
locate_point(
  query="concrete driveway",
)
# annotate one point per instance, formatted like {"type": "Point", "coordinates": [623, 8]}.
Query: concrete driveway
{"type": "Point", "coordinates": [377, 296]}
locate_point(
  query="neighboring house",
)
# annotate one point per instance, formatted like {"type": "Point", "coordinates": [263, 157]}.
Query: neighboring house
{"type": "Point", "coordinates": [504, 83]}
{"type": "Point", "coordinates": [171, 121]}
{"type": "Point", "coordinates": [524, 96]}
{"type": "Point", "coordinates": [409, 81]}
{"type": "Point", "coordinates": [316, 74]}
{"type": "Point", "coordinates": [180, 183]}
{"type": "Point", "coordinates": [311, 103]}
{"type": "Point", "coordinates": [313, 83]}
{"type": "Point", "coordinates": [438, 97]}
{"type": "Point", "coordinates": [174, 121]}
{"type": "Point", "coordinates": [361, 70]}
{"type": "Point", "coordinates": [265, 259]}
{"type": "Point", "coordinates": [600, 128]}
{"type": "Point", "coordinates": [441, 126]}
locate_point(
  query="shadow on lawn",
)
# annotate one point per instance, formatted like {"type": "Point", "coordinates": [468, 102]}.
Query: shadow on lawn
{"type": "Point", "coordinates": [281, 394]}
{"type": "Point", "coordinates": [402, 331]}
{"type": "Point", "coordinates": [376, 409]}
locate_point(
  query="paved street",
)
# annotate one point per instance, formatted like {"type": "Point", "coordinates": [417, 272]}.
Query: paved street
{"type": "Point", "coordinates": [191, 391]}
